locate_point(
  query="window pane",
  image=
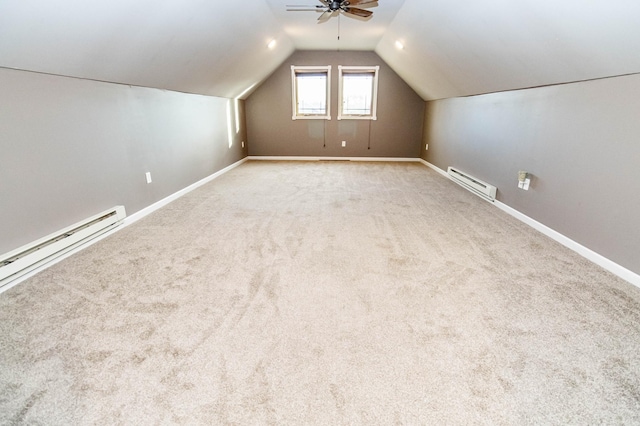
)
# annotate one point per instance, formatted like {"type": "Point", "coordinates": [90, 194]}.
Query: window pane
{"type": "Point", "coordinates": [357, 93]}
{"type": "Point", "coordinates": [312, 93]}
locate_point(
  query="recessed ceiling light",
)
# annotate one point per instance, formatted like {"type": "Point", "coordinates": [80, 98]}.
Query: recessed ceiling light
{"type": "Point", "coordinates": [399, 44]}
{"type": "Point", "coordinates": [272, 44]}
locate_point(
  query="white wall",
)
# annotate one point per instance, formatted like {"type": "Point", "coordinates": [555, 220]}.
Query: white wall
{"type": "Point", "coordinates": [71, 148]}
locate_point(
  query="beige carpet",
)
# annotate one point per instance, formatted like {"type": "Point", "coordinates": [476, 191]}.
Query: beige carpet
{"type": "Point", "coordinates": [322, 293]}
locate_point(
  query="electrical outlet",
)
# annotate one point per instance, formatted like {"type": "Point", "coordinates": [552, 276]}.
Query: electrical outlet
{"type": "Point", "coordinates": [426, 147]}
{"type": "Point", "coordinates": [148, 176]}
{"type": "Point", "coordinates": [524, 184]}
{"type": "Point", "coordinates": [524, 179]}
{"type": "Point", "coordinates": [344, 143]}
{"type": "Point", "coordinates": [243, 144]}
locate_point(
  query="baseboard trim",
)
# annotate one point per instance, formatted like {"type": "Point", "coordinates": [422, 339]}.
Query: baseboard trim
{"type": "Point", "coordinates": [159, 204]}
{"type": "Point", "coordinates": [302, 158]}
{"type": "Point", "coordinates": [583, 251]}
{"type": "Point", "coordinates": [126, 222]}
{"type": "Point", "coordinates": [432, 167]}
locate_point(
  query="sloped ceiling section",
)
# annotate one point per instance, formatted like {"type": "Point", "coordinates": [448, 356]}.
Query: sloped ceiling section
{"type": "Point", "coordinates": [341, 31]}
{"type": "Point", "coordinates": [219, 48]}
{"type": "Point", "coordinates": [461, 48]}
{"type": "Point", "coordinates": [196, 46]}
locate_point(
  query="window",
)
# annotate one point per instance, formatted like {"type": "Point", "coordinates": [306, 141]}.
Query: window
{"type": "Point", "coordinates": [358, 92]}
{"type": "Point", "coordinates": [311, 92]}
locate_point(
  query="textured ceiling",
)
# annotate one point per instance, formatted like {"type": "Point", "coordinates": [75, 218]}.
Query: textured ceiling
{"type": "Point", "coordinates": [451, 48]}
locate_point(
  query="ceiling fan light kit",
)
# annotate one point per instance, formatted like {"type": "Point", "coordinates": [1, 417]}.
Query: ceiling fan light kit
{"type": "Point", "coordinates": [329, 8]}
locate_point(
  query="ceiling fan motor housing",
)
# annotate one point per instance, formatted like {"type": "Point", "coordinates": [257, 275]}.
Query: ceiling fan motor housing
{"type": "Point", "coordinates": [329, 7]}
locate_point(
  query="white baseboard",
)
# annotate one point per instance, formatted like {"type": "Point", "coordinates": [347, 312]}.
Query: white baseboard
{"type": "Point", "coordinates": [431, 166]}
{"type": "Point", "coordinates": [587, 253]}
{"type": "Point", "coordinates": [300, 158]}
{"type": "Point", "coordinates": [126, 222]}
{"type": "Point", "coordinates": [583, 251]}
{"type": "Point", "coordinates": [159, 204]}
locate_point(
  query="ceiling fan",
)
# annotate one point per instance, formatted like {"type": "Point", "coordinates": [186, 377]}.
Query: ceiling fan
{"type": "Point", "coordinates": [329, 8]}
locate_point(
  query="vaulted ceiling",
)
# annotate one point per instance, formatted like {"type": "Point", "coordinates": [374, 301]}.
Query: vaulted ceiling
{"type": "Point", "coordinates": [220, 48]}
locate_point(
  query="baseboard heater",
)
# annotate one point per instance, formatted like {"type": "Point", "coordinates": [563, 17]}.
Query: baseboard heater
{"type": "Point", "coordinates": [18, 262]}
{"type": "Point", "coordinates": [474, 185]}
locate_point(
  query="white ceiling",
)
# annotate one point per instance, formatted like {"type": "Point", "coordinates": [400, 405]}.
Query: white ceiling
{"type": "Point", "coordinates": [464, 47]}
{"type": "Point", "coordinates": [198, 46]}
{"type": "Point", "coordinates": [451, 47]}
{"type": "Point", "coordinates": [355, 33]}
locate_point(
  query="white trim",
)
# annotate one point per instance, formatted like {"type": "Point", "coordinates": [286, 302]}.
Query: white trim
{"type": "Point", "coordinates": [374, 92]}
{"type": "Point", "coordinates": [583, 251]}
{"type": "Point", "coordinates": [159, 204]}
{"type": "Point", "coordinates": [126, 222]}
{"type": "Point", "coordinates": [294, 91]}
{"type": "Point", "coordinates": [432, 167]}
{"type": "Point", "coordinates": [587, 253]}
{"type": "Point", "coordinates": [301, 158]}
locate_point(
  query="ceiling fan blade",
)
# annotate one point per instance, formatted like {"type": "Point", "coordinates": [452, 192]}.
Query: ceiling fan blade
{"type": "Point", "coordinates": [358, 12]}
{"type": "Point", "coordinates": [359, 2]}
{"type": "Point", "coordinates": [326, 15]}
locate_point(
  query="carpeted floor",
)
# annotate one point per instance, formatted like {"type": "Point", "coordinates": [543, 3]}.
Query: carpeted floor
{"type": "Point", "coordinates": [322, 293]}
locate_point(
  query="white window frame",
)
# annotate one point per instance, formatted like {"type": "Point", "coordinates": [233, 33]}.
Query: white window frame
{"type": "Point", "coordinates": [295, 70]}
{"type": "Point", "coordinates": [374, 95]}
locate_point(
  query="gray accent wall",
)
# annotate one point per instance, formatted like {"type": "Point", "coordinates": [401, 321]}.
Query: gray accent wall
{"type": "Point", "coordinates": [71, 148]}
{"type": "Point", "coordinates": [581, 143]}
{"type": "Point", "coordinates": [396, 133]}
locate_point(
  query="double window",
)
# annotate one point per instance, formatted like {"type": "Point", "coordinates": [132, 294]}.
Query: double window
{"type": "Point", "coordinates": [357, 92]}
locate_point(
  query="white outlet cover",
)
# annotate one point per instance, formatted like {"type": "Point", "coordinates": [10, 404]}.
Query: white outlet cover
{"type": "Point", "coordinates": [524, 185]}
{"type": "Point", "coordinates": [148, 176]}
{"type": "Point", "coordinates": [344, 143]}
